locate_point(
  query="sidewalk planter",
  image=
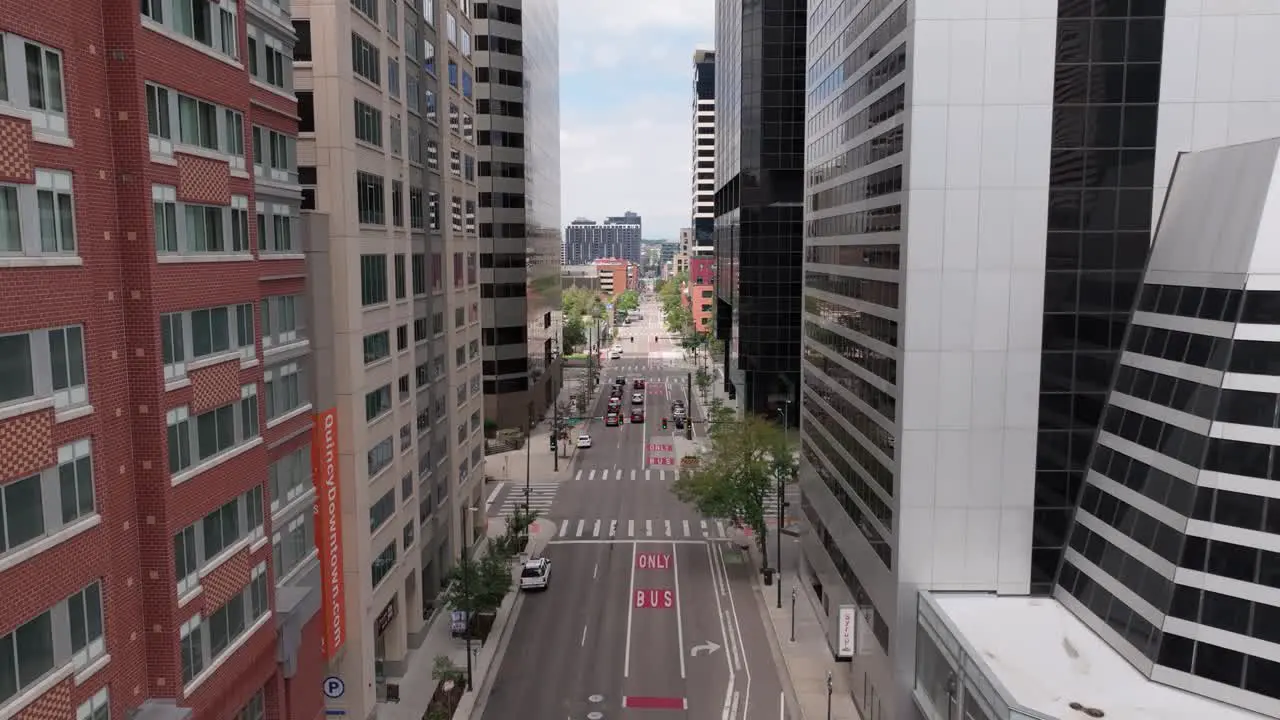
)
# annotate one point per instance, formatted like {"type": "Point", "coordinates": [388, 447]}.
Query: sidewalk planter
{"type": "Point", "coordinates": [689, 461]}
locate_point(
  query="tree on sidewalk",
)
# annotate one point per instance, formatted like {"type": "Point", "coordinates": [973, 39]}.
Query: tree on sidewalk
{"type": "Point", "coordinates": [478, 586]}
{"type": "Point", "coordinates": [702, 378]}
{"type": "Point", "coordinates": [627, 301]}
{"type": "Point", "coordinates": [742, 468]}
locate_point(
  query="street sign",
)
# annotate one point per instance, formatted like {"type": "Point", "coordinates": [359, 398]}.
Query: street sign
{"type": "Point", "coordinates": [655, 599]}
{"type": "Point", "coordinates": [334, 688]}
{"type": "Point", "coordinates": [653, 561]}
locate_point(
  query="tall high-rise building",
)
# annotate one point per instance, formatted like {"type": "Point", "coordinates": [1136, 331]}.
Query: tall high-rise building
{"type": "Point", "coordinates": [704, 152]}
{"type": "Point", "coordinates": [945, 439]}
{"type": "Point", "coordinates": [397, 337]}
{"type": "Point", "coordinates": [150, 458]}
{"type": "Point", "coordinates": [759, 181]}
{"type": "Point", "coordinates": [518, 116]}
{"type": "Point", "coordinates": [617, 237]}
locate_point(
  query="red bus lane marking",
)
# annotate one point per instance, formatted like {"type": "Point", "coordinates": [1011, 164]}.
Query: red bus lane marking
{"type": "Point", "coordinates": [655, 460]}
{"type": "Point", "coordinates": [640, 702]}
{"type": "Point", "coordinates": [654, 599]}
{"type": "Point", "coordinates": [659, 447]}
{"type": "Point", "coordinates": [653, 561]}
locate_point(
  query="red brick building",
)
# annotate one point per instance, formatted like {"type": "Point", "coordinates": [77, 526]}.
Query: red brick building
{"type": "Point", "coordinates": [151, 289]}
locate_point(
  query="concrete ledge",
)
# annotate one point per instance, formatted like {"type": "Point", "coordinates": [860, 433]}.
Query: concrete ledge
{"type": "Point", "coordinates": [482, 670]}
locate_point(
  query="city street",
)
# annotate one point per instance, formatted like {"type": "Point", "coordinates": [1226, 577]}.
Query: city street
{"type": "Point", "coordinates": [650, 610]}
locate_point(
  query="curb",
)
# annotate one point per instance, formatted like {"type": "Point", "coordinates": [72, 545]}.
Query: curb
{"type": "Point", "coordinates": [775, 642]}
{"type": "Point", "coordinates": [477, 697]}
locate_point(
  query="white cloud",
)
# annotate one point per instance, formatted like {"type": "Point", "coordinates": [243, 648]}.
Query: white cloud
{"type": "Point", "coordinates": [641, 164]}
{"type": "Point", "coordinates": [618, 19]}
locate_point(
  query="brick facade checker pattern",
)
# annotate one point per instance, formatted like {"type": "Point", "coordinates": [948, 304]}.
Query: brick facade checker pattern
{"type": "Point", "coordinates": [215, 386]}
{"type": "Point", "coordinates": [53, 705]}
{"type": "Point", "coordinates": [225, 581]}
{"type": "Point", "coordinates": [201, 180]}
{"type": "Point", "coordinates": [15, 152]}
{"type": "Point", "coordinates": [26, 445]}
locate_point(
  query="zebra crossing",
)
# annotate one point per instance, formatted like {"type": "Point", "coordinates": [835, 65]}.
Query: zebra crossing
{"type": "Point", "coordinates": [639, 368]}
{"type": "Point", "coordinates": [610, 528]}
{"type": "Point", "coordinates": [633, 474]}
{"type": "Point", "coordinates": [541, 496]}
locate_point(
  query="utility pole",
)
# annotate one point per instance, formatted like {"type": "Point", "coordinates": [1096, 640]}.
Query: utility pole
{"type": "Point", "coordinates": [466, 593]}
{"type": "Point", "coordinates": [555, 426]}
{"type": "Point", "coordinates": [688, 415]}
{"type": "Point", "coordinates": [528, 462]}
{"type": "Point", "coordinates": [782, 503]}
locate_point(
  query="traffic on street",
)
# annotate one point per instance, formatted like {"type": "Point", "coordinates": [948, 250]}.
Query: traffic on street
{"type": "Point", "coordinates": [652, 611]}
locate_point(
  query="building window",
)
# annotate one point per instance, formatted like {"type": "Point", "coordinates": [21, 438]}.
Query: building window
{"type": "Point", "coordinates": [33, 507]}
{"type": "Point", "coordinates": [393, 77]}
{"type": "Point", "coordinates": [397, 208]}
{"type": "Point", "coordinates": [366, 61]}
{"type": "Point", "coordinates": [430, 106]}
{"type": "Point", "coordinates": [97, 707]}
{"type": "Point", "coordinates": [195, 334]}
{"type": "Point", "coordinates": [368, 124]}
{"type": "Point", "coordinates": [216, 431]}
{"type": "Point", "coordinates": [212, 24]}
{"type": "Point", "coordinates": [276, 67]}
{"type": "Point", "coordinates": [38, 219]}
{"type": "Point", "coordinates": [43, 363]}
{"type": "Point", "coordinates": [396, 131]}
{"type": "Point", "coordinates": [382, 510]}
{"type": "Point", "coordinates": [451, 28]}
{"type": "Point", "coordinates": [379, 457]}
{"type": "Point", "coordinates": [455, 163]}
{"type": "Point", "coordinates": [190, 229]}
{"type": "Point", "coordinates": [31, 79]}
{"type": "Point", "coordinates": [412, 91]}
{"type": "Point", "coordinates": [84, 612]}
{"type": "Point", "coordinates": [377, 403]}
{"type": "Point", "coordinates": [369, 8]}
{"type": "Point", "coordinates": [70, 632]}
{"type": "Point", "coordinates": [433, 218]}
{"type": "Point", "coordinates": [383, 563]}
{"type": "Point", "coordinates": [259, 603]}
{"type": "Point", "coordinates": [281, 320]}
{"type": "Point", "coordinates": [464, 42]}
{"type": "Point", "coordinates": [289, 477]}
{"type": "Point", "coordinates": [286, 391]}
{"type": "Point", "coordinates": [202, 643]}
{"type": "Point", "coordinates": [292, 546]}
{"type": "Point", "coordinates": [377, 346]}
{"type": "Point", "coordinates": [433, 155]}
{"type": "Point", "coordinates": [371, 200]}
{"type": "Point", "coordinates": [428, 56]}
{"type": "Point", "coordinates": [415, 144]}
{"type": "Point", "coordinates": [417, 212]}
{"type": "Point", "coordinates": [277, 225]}
{"type": "Point", "coordinates": [373, 280]}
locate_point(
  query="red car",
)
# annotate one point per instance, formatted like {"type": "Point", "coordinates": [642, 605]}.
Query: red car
{"type": "Point", "coordinates": [611, 419]}
{"type": "Point", "coordinates": [637, 415]}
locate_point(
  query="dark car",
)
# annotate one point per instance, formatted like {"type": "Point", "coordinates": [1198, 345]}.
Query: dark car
{"type": "Point", "coordinates": [611, 419]}
{"type": "Point", "coordinates": [679, 423]}
{"type": "Point", "coordinates": [619, 381]}
{"type": "Point", "coordinates": [638, 384]}
{"type": "Point", "coordinates": [637, 415]}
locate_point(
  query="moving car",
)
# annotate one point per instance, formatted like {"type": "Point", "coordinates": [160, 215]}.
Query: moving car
{"type": "Point", "coordinates": [536, 574]}
{"type": "Point", "coordinates": [615, 402]}
{"type": "Point", "coordinates": [637, 415]}
{"type": "Point", "coordinates": [584, 440]}
{"type": "Point", "coordinates": [637, 398]}
{"type": "Point", "coordinates": [611, 419]}
{"type": "Point", "coordinates": [680, 422]}
{"type": "Point", "coordinates": [619, 381]}
{"type": "Point", "coordinates": [638, 384]}
{"type": "Point", "coordinates": [615, 353]}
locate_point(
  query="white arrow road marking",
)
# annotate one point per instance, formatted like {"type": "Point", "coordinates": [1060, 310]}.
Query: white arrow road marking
{"type": "Point", "coordinates": [708, 647]}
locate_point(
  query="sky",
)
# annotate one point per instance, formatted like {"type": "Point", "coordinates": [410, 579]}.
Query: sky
{"type": "Point", "coordinates": [626, 117]}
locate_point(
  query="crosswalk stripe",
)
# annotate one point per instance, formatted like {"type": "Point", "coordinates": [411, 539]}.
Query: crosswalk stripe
{"type": "Point", "coordinates": [592, 476]}
{"type": "Point", "coordinates": [686, 528]}
{"type": "Point", "coordinates": [705, 532]}
{"type": "Point", "coordinates": [581, 523]}
{"type": "Point", "coordinates": [578, 475]}
{"type": "Point", "coordinates": [595, 531]}
{"type": "Point", "coordinates": [633, 475]}
{"type": "Point", "coordinates": [646, 474]}
{"type": "Point", "coordinates": [618, 476]}
{"type": "Point", "coordinates": [631, 528]}
{"type": "Point", "coordinates": [613, 528]}
{"type": "Point", "coordinates": [668, 527]}
{"type": "Point", "coordinates": [564, 528]}
{"type": "Point", "coordinates": [648, 528]}
{"type": "Point", "coordinates": [720, 527]}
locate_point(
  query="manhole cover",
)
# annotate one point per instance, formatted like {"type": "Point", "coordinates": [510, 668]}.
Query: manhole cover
{"type": "Point", "coordinates": [596, 698]}
{"type": "Point", "coordinates": [595, 715]}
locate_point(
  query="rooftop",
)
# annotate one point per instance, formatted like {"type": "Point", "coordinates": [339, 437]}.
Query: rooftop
{"type": "Point", "coordinates": [1046, 659]}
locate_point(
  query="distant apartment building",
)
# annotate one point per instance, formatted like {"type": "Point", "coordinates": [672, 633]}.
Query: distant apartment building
{"type": "Point", "coordinates": [698, 294]}
{"type": "Point", "coordinates": [704, 154]}
{"type": "Point", "coordinates": [389, 158]}
{"type": "Point", "coordinates": [686, 240]}
{"type": "Point", "coordinates": [616, 276]}
{"type": "Point", "coordinates": [518, 133]}
{"type": "Point", "coordinates": [617, 237]}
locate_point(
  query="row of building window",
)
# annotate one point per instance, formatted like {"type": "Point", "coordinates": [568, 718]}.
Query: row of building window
{"type": "Point", "coordinates": [36, 506]}
{"type": "Point", "coordinates": [44, 363]}
{"type": "Point", "coordinates": [211, 24]}
{"type": "Point", "coordinates": [69, 633]}
{"type": "Point", "coordinates": [206, 125]}
{"type": "Point", "coordinates": [814, 449]}
{"type": "Point", "coordinates": [31, 80]}
{"type": "Point", "coordinates": [215, 431]}
{"type": "Point", "coordinates": [376, 288]}
{"type": "Point", "coordinates": [38, 219]}
{"type": "Point", "coordinates": [202, 641]}
{"type": "Point", "coordinates": [199, 544]}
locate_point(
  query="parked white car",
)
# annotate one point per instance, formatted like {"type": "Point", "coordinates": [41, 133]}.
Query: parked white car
{"type": "Point", "coordinates": [584, 440]}
{"type": "Point", "coordinates": [536, 574]}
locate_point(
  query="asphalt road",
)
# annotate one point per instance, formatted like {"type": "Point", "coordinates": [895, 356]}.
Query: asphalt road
{"type": "Point", "coordinates": [637, 628]}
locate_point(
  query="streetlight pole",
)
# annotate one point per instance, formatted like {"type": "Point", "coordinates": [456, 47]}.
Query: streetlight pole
{"type": "Point", "coordinates": [555, 416]}
{"type": "Point", "coordinates": [528, 462]}
{"type": "Point", "coordinates": [793, 613]}
{"type": "Point", "coordinates": [828, 695]}
{"type": "Point", "coordinates": [777, 531]}
{"type": "Point", "coordinates": [467, 569]}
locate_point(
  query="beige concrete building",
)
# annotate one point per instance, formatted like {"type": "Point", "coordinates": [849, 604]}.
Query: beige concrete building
{"type": "Point", "coordinates": [390, 166]}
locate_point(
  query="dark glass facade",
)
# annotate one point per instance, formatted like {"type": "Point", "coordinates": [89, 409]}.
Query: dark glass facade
{"type": "Point", "coordinates": [704, 94]}
{"type": "Point", "coordinates": [758, 232]}
{"type": "Point", "coordinates": [1106, 89]}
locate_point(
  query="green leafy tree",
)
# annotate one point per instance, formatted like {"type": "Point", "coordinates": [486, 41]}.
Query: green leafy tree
{"type": "Point", "coordinates": [444, 670]}
{"type": "Point", "coordinates": [627, 301]}
{"type": "Point", "coordinates": [679, 319]}
{"type": "Point", "coordinates": [702, 378]}
{"type": "Point", "coordinates": [478, 586]}
{"type": "Point", "coordinates": [573, 336]}
{"type": "Point", "coordinates": [741, 469]}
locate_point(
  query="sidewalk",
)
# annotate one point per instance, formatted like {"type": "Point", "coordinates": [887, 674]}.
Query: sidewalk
{"type": "Point", "coordinates": [807, 660]}
{"type": "Point", "coordinates": [417, 686]}
{"type": "Point", "coordinates": [511, 465]}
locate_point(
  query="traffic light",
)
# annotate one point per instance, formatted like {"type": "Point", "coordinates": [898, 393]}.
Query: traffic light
{"type": "Point", "coordinates": [664, 423]}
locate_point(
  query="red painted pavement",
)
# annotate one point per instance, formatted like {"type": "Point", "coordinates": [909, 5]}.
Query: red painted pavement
{"type": "Point", "coordinates": [641, 702]}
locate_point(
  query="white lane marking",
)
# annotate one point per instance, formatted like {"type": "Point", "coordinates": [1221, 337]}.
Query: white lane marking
{"type": "Point", "coordinates": [493, 495]}
{"type": "Point", "coordinates": [633, 476]}
{"type": "Point", "coordinates": [592, 475]}
{"type": "Point", "coordinates": [667, 525]}
{"type": "Point", "coordinates": [646, 474]}
{"type": "Point", "coordinates": [578, 475]}
{"type": "Point", "coordinates": [631, 608]}
{"type": "Point", "coordinates": [737, 629]}
{"type": "Point", "coordinates": [613, 528]}
{"type": "Point", "coordinates": [618, 476]}
{"type": "Point", "coordinates": [595, 531]}
{"type": "Point", "coordinates": [648, 528]}
{"type": "Point", "coordinates": [631, 528]}
{"type": "Point", "coordinates": [724, 637]}
{"type": "Point", "coordinates": [782, 706]}
{"type": "Point", "coordinates": [595, 571]}
{"type": "Point", "coordinates": [584, 637]}
{"type": "Point", "coordinates": [564, 527]}
{"type": "Point", "coordinates": [675, 577]}
{"type": "Point", "coordinates": [686, 528]}
{"type": "Point", "coordinates": [733, 709]}
{"type": "Point", "coordinates": [581, 523]}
